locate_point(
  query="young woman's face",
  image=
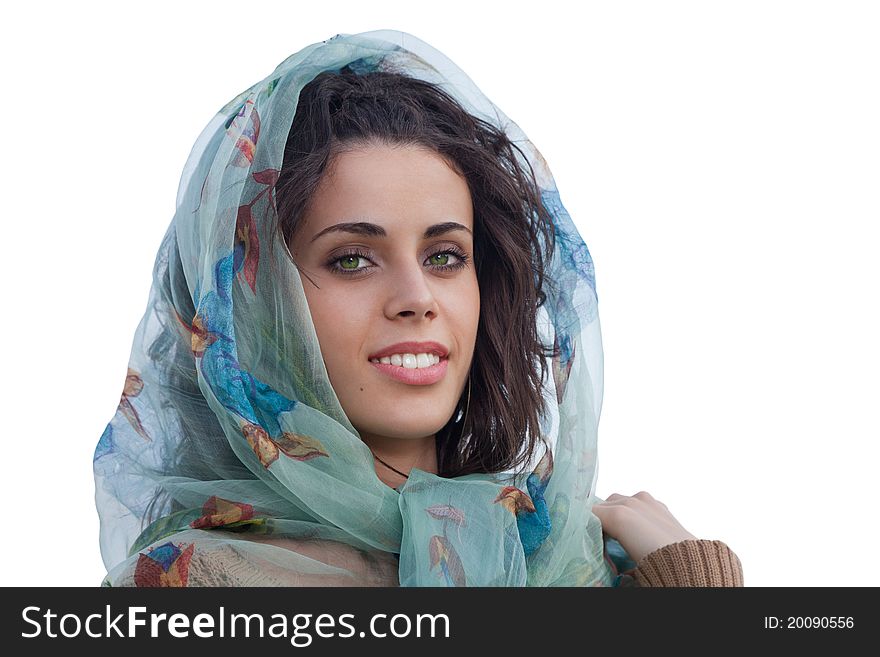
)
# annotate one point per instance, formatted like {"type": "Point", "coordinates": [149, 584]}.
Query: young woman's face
{"type": "Point", "coordinates": [403, 273]}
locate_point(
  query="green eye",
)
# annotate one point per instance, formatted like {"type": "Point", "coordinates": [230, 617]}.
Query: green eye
{"type": "Point", "coordinates": [349, 263]}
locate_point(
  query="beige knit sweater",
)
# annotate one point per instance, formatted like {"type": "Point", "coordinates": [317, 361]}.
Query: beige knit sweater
{"type": "Point", "coordinates": [693, 563]}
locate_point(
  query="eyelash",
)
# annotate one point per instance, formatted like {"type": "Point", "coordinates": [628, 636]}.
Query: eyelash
{"type": "Point", "coordinates": [336, 269]}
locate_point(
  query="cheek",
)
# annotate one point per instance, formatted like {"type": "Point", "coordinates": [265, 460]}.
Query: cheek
{"type": "Point", "coordinates": [472, 295]}
{"type": "Point", "coordinates": [463, 306]}
{"type": "Point", "coordinates": [330, 315]}
{"type": "Point", "coordinates": [338, 323]}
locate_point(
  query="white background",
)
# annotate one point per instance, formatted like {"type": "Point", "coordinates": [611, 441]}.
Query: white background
{"type": "Point", "coordinates": [720, 159]}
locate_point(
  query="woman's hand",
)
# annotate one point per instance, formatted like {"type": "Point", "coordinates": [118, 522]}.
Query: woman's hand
{"type": "Point", "coordinates": [639, 523]}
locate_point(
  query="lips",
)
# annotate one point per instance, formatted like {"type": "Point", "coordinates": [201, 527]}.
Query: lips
{"type": "Point", "coordinates": [420, 376]}
{"type": "Point", "coordinates": [429, 347]}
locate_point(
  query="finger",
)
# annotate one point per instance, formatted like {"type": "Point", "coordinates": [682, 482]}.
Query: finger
{"type": "Point", "coordinates": [646, 497]}
{"type": "Point", "coordinates": [602, 512]}
{"type": "Point", "coordinates": [613, 516]}
{"type": "Point", "coordinates": [606, 520]}
{"type": "Point", "coordinates": [621, 500]}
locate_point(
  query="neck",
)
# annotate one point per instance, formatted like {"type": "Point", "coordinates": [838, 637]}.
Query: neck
{"type": "Point", "coordinates": [403, 454]}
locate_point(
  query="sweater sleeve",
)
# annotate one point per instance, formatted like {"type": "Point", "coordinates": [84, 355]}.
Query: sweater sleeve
{"type": "Point", "coordinates": [691, 563]}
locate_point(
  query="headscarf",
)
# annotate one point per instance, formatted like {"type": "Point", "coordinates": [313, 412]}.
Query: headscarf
{"type": "Point", "coordinates": [230, 461]}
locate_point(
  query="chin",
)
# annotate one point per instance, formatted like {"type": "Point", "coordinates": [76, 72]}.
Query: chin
{"type": "Point", "coordinates": [405, 428]}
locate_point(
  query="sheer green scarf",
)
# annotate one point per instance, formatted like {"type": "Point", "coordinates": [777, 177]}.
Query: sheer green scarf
{"type": "Point", "coordinates": [230, 460]}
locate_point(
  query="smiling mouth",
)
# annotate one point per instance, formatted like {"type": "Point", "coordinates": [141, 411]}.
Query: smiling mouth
{"type": "Point", "coordinates": [410, 361]}
{"type": "Point", "coordinates": [420, 376]}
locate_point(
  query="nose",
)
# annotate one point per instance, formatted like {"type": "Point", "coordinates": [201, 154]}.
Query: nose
{"type": "Point", "coordinates": [409, 293]}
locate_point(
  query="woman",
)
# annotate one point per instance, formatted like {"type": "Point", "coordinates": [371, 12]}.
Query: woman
{"type": "Point", "coordinates": [371, 354]}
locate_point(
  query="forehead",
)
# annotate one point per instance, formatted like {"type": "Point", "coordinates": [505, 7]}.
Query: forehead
{"type": "Point", "coordinates": [396, 186]}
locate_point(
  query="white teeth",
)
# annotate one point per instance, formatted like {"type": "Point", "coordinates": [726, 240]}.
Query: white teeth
{"type": "Point", "coordinates": [409, 361]}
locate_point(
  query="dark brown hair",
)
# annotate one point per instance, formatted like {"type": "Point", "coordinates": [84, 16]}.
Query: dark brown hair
{"type": "Point", "coordinates": [338, 112]}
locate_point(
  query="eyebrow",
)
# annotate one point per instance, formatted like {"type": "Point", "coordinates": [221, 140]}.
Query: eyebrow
{"type": "Point", "coordinates": [374, 230]}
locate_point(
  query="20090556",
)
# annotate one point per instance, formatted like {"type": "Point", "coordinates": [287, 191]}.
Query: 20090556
{"type": "Point", "coordinates": [808, 622]}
